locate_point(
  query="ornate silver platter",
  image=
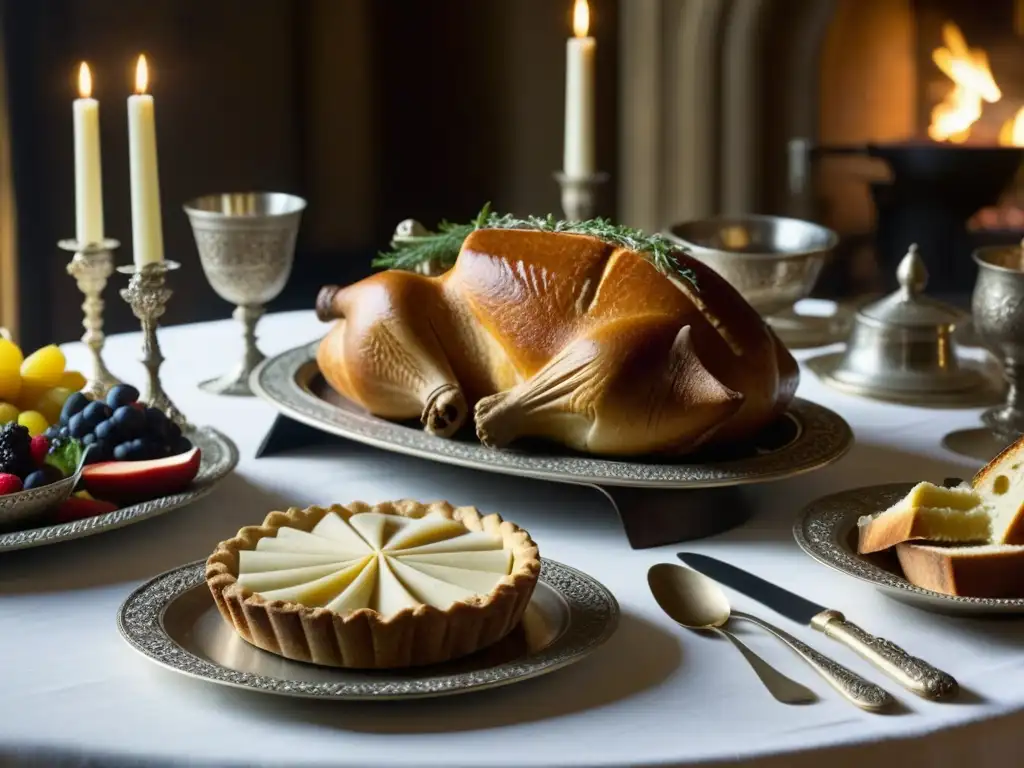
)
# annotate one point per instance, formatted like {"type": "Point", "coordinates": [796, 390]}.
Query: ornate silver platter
{"type": "Point", "coordinates": [826, 531]}
{"type": "Point", "coordinates": [219, 457]}
{"type": "Point", "coordinates": [173, 621]}
{"type": "Point", "coordinates": [810, 437]}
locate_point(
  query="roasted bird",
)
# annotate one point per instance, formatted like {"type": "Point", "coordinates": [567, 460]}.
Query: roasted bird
{"type": "Point", "coordinates": [559, 336]}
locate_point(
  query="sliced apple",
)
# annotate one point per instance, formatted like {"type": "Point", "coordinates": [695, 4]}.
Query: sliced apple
{"type": "Point", "coordinates": [137, 480]}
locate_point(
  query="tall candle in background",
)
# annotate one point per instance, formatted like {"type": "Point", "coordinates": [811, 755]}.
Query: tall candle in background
{"type": "Point", "coordinates": [88, 177]}
{"type": "Point", "coordinates": [147, 226]}
{"type": "Point", "coordinates": [579, 95]}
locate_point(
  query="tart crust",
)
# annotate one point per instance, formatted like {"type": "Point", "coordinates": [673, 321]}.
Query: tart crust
{"type": "Point", "coordinates": [364, 639]}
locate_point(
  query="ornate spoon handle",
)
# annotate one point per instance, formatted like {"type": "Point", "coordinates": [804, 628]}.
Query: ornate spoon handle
{"type": "Point", "coordinates": [912, 673]}
{"type": "Point", "coordinates": [855, 688]}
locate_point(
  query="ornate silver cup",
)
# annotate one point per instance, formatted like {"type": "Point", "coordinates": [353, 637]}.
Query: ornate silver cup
{"type": "Point", "coordinates": [998, 309]}
{"type": "Point", "coordinates": [246, 243]}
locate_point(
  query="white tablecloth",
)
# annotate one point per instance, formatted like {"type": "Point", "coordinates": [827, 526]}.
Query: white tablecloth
{"type": "Point", "coordinates": [654, 695]}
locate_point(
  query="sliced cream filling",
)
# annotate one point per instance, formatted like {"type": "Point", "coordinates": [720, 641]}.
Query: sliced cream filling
{"type": "Point", "coordinates": [377, 561]}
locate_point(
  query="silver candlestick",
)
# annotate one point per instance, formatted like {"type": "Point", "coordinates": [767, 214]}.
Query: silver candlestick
{"type": "Point", "coordinates": [147, 294]}
{"type": "Point", "coordinates": [91, 265]}
{"type": "Point", "coordinates": [579, 194]}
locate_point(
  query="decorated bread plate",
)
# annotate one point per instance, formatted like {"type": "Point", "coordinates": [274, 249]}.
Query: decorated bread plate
{"type": "Point", "coordinates": [173, 621]}
{"type": "Point", "coordinates": [807, 437]}
{"type": "Point", "coordinates": [217, 457]}
{"type": "Point", "coordinates": [827, 530]}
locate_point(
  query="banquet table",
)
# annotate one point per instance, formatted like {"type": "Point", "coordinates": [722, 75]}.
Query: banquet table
{"type": "Point", "coordinates": [72, 692]}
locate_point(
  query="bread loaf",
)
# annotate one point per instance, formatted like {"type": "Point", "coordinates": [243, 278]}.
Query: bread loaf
{"type": "Point", "coordinates": [994, 570]}
{"type": "Point", "coordinates": [559, 336]}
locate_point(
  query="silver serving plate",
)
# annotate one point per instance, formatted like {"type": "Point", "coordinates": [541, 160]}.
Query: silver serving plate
{"type": "Point", "coordinates": [815, 437]}
{"type": "Point", "coordinates": [827, 532]}
{"type": "Point", "coordinates": [219, 457]}
{"type": "Point", "coordinates": [173, 621]}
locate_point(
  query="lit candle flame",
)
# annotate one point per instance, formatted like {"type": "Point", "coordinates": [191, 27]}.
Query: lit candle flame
{"type": "Point", "coordinates": [141, 75]}
{"type": "Point", "coordinates": [581, 18]}
{"type": "Point", "coordinates": [84, 81]}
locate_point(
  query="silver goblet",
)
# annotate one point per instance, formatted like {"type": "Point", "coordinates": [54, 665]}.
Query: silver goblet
{"type": "Point", "coordinates": [998, 310]}
{"type": "Point", "coordinates": [246, 243]}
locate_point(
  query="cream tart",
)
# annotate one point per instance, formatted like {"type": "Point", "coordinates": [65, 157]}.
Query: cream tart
{"type": "Point", "coordinates": [397, 584]}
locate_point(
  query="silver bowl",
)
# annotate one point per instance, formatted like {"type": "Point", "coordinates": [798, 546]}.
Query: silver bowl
{"type": "Point", "coordinates": [246, 244]}
{"type": "Point", "coordinates": [21, 509]}
{"type": "Point", "coordinates": [772, 261]}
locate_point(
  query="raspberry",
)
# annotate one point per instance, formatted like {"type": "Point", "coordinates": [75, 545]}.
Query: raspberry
{"type": "Point", "coordinates": [39, 447]}
{"type": "Point", "coordinates": [9, 483]}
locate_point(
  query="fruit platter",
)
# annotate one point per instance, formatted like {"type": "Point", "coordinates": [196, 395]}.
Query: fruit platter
{"type": "Point", "coordinates": [71, 465]}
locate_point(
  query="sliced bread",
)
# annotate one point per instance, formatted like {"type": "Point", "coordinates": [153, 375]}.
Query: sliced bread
{"type": "Point", "coordinates": [929, 512]}
{"type": "Point", "coordinates": [1000, 483]}
{"type": "Point", "coordinates": [988, 511]}
{"type": "Point", "coordinates": [992, 570]}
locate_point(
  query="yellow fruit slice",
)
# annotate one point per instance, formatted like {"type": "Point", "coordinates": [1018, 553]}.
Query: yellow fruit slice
{"type": "Point", "coordinates": [72, 380]}
{"type": "Point", "coordinates": [10, 370]}
{"type": "Point", "coordinates": [8, 413]}
{"type": "Point", "coordinates": [51, 403]}
{"type": "Point", "coordinates": [44, 367]}
{"type": "Point", "coordinates": [34, 422]}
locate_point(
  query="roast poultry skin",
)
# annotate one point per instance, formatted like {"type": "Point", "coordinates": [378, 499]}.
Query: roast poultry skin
{"type": "Point", "coordinates": [558, 336]}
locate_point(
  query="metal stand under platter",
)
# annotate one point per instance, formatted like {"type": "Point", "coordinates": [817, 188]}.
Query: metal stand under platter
{"type": "Point", "coordinates": [651, 517]}
{"type": "Point", "coordinates": [659, 501]}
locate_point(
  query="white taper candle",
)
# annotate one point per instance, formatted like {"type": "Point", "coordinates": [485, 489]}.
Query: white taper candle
{"type": "Point", "coordinates": [88, 176]}
{"type": "Point", "coordinates": [580, 53]}
{"type": "Point", "coordinates": [147, 226]}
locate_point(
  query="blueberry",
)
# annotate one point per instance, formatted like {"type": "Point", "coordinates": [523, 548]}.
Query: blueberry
{"type": "Point", "coordinates": [64, 433]}
{"type": "Point", "coordinates": [106, 430]}
{"type": "Point", "coordinates": [122, 394]}
{"type": "Point", "coordinates": [78, 426]}
{"type": "Point", "coordinates": [181, 445]}
{"type": "Point", "coordinates": [99, 450]}
{"type": "Point", "coordinates": [74, 404]}
{"type": "Point", "coordinates": [123, 451]}
{"type": "Point", "coordinates": [88, 439]}
{"type": "Point", "coordinates": [173, 432]}
{"type": "Point", "coordinates": [130, 421]}
{"type": "Point", "coordinates": [51, 432]}
{"type": "Point", "coordinates": [36, 479]}
{"type": "Point", "coordinates": [157, 424]}
{"type": "Point", "coordinates": [96, 412]}
{"type": "Point", "coordinates": [52, 473]}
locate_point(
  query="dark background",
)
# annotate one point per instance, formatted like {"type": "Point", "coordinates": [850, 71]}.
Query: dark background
{"type": "Point", "coordinates": [373, 111]}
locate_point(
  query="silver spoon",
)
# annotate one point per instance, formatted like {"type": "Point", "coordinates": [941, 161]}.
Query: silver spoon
{"type": "Point", "coordinates": [696, 602]}
{"type": "Point", "coordinates": [682, 594]}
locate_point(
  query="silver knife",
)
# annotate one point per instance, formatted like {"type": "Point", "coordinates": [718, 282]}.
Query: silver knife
{"type": "Point", "coordinates": [912, 673]}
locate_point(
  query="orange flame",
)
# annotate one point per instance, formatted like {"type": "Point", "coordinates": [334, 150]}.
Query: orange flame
{"type": "Point", "coordinates": [973, 83]}
{"type": "Point", "coordinates": [141, 75]}
{"type": "Point", "coordinates": [581, 18]}
{"type": "Point", "coordinates": [84, 81]}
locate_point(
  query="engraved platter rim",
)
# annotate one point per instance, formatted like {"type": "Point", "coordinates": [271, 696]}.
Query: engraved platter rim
{"type": "Point", "coordinates": [584, 610]}
{"type": "Point", "coordinates": [219, 457]}
{"type": "Point", "coordinates": [824, 438]}
{"type": "Point", "coordinates": [823, 529]}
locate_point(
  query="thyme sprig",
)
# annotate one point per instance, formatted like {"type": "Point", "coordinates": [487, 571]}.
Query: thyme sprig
{"type": "Point", "coordinates": [442, 247]}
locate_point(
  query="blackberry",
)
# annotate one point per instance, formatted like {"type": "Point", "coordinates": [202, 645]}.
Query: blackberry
{"type": "Point", "coordinates": [15, 454]}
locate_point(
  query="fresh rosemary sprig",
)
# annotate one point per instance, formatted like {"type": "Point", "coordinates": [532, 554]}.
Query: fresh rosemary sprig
{"type": "Point", "coordinates": [442, 247]}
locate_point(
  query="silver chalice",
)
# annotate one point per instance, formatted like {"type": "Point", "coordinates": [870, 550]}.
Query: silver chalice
{"type": "Point", "coordinates": [246, 243]}
{"type": "Point", "coordinates": [997, 306]}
